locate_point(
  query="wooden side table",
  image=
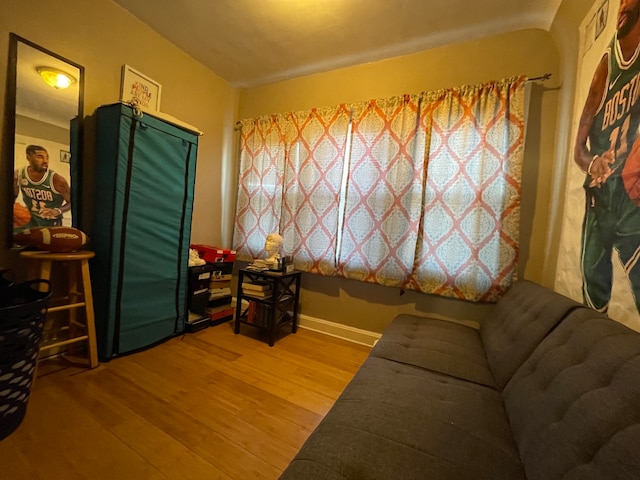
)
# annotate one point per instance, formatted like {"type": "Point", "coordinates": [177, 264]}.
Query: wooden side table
{"type": "Point", "coordinates": [273, 311]}
{"type": "Point", "coordinates": [78, 296]}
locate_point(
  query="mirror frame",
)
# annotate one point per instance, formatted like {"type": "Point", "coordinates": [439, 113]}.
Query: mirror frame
{"type": "Point", "coordinates": [75, 140]}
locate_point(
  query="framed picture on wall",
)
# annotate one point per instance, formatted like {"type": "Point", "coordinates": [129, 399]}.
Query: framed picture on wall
{"type": "Point", "coordinates": [601, 18]}
{"type": "Point", "coordinates": [65, 157]}
{"type": "Point", "coordinates": [138, 89]}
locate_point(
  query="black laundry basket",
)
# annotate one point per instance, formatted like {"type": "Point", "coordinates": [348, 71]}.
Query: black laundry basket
{"type": "Point", "coordinates": [5, 281]}
{"type": "Point", "coordinates": [23, 309]}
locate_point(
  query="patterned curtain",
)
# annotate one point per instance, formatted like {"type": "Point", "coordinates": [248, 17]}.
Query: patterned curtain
{"type": "Point", "coordinates": [312, 182]}
{"type": "Point", "coordinates": [384, 191]}
{"type": "Point", "coordinates": [416, 191]}
{"type": "Point", "coordinates": [262, 160]}
{"type": "Point", "coordinates": [468, 243]}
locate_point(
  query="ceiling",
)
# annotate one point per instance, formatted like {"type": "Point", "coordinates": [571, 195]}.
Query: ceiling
{"type": "Point", "coordinates": [36, 99]}
{"type": "Point", "coordinates": [255, 42]}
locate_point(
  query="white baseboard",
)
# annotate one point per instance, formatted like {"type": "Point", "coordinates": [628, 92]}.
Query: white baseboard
{"type": "Point", "coordinates": [352, 334]}
{"type": "Point", "coordinates": [345, 332]}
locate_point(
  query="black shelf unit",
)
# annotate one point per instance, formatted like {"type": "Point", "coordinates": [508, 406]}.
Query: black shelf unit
{"type": "Point", "coordinates": [276, 310]}
{"type": "Point", "coordinates": [197, 297]}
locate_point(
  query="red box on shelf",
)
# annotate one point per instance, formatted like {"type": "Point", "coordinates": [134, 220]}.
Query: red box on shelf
{"type": "Point", "coordinates": [214, 254]}
{"type": "Point", "coordinates": [226, 313]}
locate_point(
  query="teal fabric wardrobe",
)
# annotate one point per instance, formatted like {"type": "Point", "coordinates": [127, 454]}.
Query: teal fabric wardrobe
{"type": "Point", "coordinates": [141, 226]}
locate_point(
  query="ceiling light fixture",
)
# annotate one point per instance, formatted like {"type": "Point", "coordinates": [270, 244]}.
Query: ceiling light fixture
{"type": "Point", "coordinates": [56, 78]}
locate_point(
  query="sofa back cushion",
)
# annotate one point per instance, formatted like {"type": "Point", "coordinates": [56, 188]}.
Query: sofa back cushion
{"type": "Point", "coordinates": [574, 405]}
{"type": "Point", "coordinates": [522, 318]}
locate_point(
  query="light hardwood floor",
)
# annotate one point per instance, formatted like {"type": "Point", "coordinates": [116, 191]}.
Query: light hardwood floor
{"type": "Point", "coordinates": [208, 405]}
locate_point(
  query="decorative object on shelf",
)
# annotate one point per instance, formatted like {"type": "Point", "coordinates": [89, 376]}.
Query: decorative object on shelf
{"type": "Point", "coordinates": [272, 246]}
{"type": "Point", "coordinates": [138, 89]}
{"type": "Point", "coordinates": [285, 264]}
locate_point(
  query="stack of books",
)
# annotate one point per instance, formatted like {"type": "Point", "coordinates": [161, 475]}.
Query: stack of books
{"type": "Point", "coordinates": [258, 313]}
{"type": "Point", "coordinates": [259, 290]}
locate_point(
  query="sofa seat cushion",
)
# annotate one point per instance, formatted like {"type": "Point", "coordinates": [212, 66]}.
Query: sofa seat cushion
{"type": "Point", "coordinates": [438, 345]}
{"type": "Point", "coordinates": [574, 405]}
{"type": "Point", "coordinates": [400, 422]}
{"type": "Point", "coordinates": [522, 318]}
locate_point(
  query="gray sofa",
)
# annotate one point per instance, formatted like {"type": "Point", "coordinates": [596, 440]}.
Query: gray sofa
{"type": "Point", "coordinates": [546, 389]}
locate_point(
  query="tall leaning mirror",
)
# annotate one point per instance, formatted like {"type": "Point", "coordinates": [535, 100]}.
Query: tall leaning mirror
{"type": "Point", "coordinates": [44, 100]}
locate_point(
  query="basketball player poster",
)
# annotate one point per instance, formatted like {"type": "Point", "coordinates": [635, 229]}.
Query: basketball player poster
{"type": "Point", "coordinates": [600, 245]}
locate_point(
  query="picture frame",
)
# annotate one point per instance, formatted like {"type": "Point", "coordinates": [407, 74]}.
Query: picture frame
{"type": "Point", "coordinates": [601, 18]}
{"type": "Point", "coordinates": [138, 89]}
{"type": "Point", "coordinates": [65, 156]}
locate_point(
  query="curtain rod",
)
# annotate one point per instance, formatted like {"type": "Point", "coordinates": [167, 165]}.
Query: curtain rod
{"type": "Point", "coordinates": [542, 78]}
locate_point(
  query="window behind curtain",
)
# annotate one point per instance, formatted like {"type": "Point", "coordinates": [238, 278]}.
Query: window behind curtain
{"type": "Point", "coordinates": [290, 174]}
{"type": "Point", "coordinates": [258, 208]}
{"type": "Point", "coordinates": [383, 197]}
{"type": "Point", "coordinates": [468, 245]}
{"type": "Point", "coordinates": [430, 200]}
{"type": "Point", "coordinates": [313, 174]}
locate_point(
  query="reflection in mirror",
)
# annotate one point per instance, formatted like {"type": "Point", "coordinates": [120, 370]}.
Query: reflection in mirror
{"type": "Point", "coordinates": [48, 106]}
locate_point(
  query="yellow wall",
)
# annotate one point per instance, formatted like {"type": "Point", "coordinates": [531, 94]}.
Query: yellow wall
{"type": "Point", "coordinates": [530, 52]}
{"type": "Point", "coordinates": [102, 36]}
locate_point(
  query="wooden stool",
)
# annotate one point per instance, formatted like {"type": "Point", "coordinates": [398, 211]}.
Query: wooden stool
{"type": "Point", "coordinates": [73, 261]}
